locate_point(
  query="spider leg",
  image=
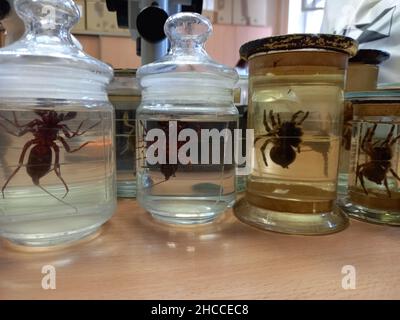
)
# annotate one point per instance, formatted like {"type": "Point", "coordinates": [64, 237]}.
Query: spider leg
{"type": "Point", "coordinates": [272, 118]}
{"type": "Point", "coordinates": [23, 129]}
{"type": "Point", "coordinates": [394, 140]}
{"type": "Point", "coordinates": [68, 148]}
{"type": "Point", "coordinates": [263, 148]}
{"type": "Point", "coordinates": [368, 138]}
{"type": "Point", "coordinates": [294, 117]}
{"type": "Point", "coordinates": [279, 119]}
{"type": "Point", "coordinates": [16, 123]}
{"type": "Point", "coordinates": [394, 174]}
{"type": "Point", "coordinates": [270, 134]}
{"type": "Point", "coordinates": [16, 134]}
{"type": "Point", "coordinates": [57, 168]}
{"type": "Point", "coordinates": [361, 176]}
{"type": "Point", "coordinates": [265, 122]}
{"type": "Point", "coordinates": [71, 134]}
{"type": "Point", "coordinates": [303, 119]}
{"type": "Point", "coordinates": [358, 172]}
{"type": "Point", "coordinates": [389, 136]}
{"type": "Point", "coordinates": [126, 122]}
{"type": "Point", "coordinates": [387, 187]}
{"type": "Point", "coordinates": [20, 164]}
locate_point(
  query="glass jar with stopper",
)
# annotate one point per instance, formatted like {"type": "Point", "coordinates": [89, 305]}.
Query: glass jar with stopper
{"type": "Point", "coordinates": [56, 132]}
{"type": "Point", "coordinates": [185, 171]}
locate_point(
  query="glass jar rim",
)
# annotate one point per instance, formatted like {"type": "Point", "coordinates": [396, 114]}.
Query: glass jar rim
{"type": "Point", "coordinates": [329, 42]}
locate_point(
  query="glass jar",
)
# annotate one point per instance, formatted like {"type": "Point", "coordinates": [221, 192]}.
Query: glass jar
{"type": "Point", "coordinates": [374, 181]}
{"type": "Point", "coordinates": [185, 97]}
{"type": "Point", "coordinates": [124, 94]}
{"type": "Point", "coordinates": [362, 75]}
{"type": "Point", "coordinates": [56, 132]}
{"type": "Point", "coordinates": [295, 109]}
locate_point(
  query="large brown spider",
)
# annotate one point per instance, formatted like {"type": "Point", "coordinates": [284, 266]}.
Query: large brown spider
{"type": "Point", "coordinates": [285, 136]}
{"type": "Point", "coordinates": [380, 154]}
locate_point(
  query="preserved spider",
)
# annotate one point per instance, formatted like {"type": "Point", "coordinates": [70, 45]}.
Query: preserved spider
{"type": "Point", "coordinates": [46, 131]}
{"type": "Point", "coordinates": [130, 144]}
{"type": "Point", "coordinates": [347, 126]}
{"type": "Point", "coordinates": [167, 169]}
{"type": "Point", "coordinates": [380, 154]}
{"type": "Point", "coordinates": [285, 137]}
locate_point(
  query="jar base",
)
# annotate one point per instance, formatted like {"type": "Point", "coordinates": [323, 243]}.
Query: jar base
{"type": "Point", "coordinates": [51, 240]}
{"type": "Point", "coordinates": [126, 189]}
{"type": "Point", "coordinates": [186, 221]}
{"type": "Point", "coordinates": [291, 223]}
{"type": "Point", "coordinates": [186, 210]}
{"type": "Point", "coordinates": [365, 214]}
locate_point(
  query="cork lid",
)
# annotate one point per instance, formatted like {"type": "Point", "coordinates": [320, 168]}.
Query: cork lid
{"type": "Point", "coordinates": [379, 103]}
{"type": "Point", "coordinates": [300, 42]}
{"type": "Point", "coordinates": [370, 56]}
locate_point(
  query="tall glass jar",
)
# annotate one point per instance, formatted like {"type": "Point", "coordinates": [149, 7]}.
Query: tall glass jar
{"type": "Point", "coordinates": [56, 132]}
{"type": "Point", "coordinates": [374, 181]}
{"type": "Point", "coordinates": [187, 101]}
{"type": "Point", "coordinates": [296, 110]}
{"type": "Point", "coordinates": [124, 94]}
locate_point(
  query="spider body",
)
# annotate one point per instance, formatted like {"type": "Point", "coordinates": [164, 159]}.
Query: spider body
{"type": "Point", "coordinates": [380, 155]}
{"type": "Point", "coordinates": [168, 170]}
{"type": "Point", "coordinates": [285, 137]}
{"type": "Point", "coordinates": [47, 129]}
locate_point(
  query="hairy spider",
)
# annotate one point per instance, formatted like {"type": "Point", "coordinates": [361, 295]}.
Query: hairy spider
{"type": "Point", "coordinates": [380, 154]}
{"type": "Point", "coordinates": [285, 136]}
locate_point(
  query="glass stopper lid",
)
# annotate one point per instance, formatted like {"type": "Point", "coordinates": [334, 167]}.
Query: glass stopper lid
{"type": "Point", "coordinates": [187, 57]}
{"type": "Point", "coordinates": [47, 61]}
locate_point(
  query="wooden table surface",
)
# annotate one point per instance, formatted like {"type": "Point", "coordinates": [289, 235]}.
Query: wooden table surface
{"type": "Point", "coordinates": [134, 257]}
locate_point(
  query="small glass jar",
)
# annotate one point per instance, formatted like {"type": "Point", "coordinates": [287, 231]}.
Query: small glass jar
{"type": "Point", "coordinates": [56, 132]}
{"type": "Point", "coordinates": [124, 94]}
{"type": "Point", "coordinates": [295, 109]}
{"type": "Point", "coordinates": [374, 181]}
{"type": "Point", "coordinates": [362, 75]}
{"type": "Point", "coordinates": [186, 95]}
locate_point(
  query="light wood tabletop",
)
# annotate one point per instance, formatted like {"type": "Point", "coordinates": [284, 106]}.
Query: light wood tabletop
{"type": "Point", "coordinates": [134, 257]}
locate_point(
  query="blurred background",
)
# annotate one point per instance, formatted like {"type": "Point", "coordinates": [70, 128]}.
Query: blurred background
{"type": "Point", "coordinates": [235, 22]}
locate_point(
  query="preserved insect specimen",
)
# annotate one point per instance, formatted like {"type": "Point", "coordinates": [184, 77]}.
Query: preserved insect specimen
{"type": "Point", "coordinates": [380, 154]}
{"type": "Point", "coordinates": [130, 144]}
{"type": "Point", "coordinates": [285, 136]}
{"type": "Point", "coordinates": [46, 132]}
{"type": "Point", "coordinates": [347, 126]}
{"type": "Point", "coordinates": [167, 169]}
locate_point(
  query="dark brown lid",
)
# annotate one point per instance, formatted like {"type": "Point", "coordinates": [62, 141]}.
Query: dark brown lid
{"type": "Point", "coordinates": [370, 56]}
{"type": "Point", "coordinates": [298, 42]}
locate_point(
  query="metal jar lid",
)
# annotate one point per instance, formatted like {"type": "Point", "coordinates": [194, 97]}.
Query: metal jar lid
{"type": "Point", "coordinates": [299, 42]}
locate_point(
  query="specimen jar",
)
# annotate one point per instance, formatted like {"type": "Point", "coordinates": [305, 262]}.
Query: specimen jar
{"type": "Point", "coordinates": [374, 180]}
{"type": "Point", "coordinates": [362, 75]}
{"type": "Point", "coordinates": [56, 132]}
{"type": "Point", "coordinates": [124, 94]}
{"type": "Point", "coordinates": [185, 124]}
{"type": "Point", "coordinates": [295, 109]}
